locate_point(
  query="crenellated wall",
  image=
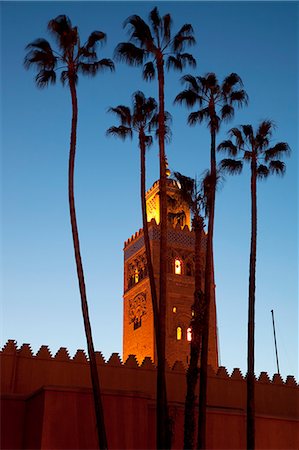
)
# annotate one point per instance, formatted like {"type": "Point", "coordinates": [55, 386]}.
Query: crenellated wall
{"type": "Point", "coordinates": [47, 403]}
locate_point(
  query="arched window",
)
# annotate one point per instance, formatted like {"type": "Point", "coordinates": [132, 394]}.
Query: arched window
{"type": "Point", "coordinates": [189, 335]}
{"type": "Point", "coordinates": [178, 266]}
{"type": "Point", "coordinates": [136, 276]}
{"type": "Point", "coordinates": [179, 333]}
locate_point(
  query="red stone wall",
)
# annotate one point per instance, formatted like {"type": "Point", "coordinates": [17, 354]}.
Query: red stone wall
{"type": "Point", "coordinates": [46, 403]}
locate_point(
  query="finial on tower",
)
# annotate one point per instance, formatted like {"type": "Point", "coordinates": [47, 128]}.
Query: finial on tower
{"type": "Point", "coordinates": [167, 170]}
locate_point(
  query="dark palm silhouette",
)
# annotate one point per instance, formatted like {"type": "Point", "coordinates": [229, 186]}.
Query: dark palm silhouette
{"type": "Point", "coordinates": [153, 46]}
{"type": "Point", "coordinates": [216, 102]}
{"type": "Point", "coordinates": [254, 147]}
{"type": "Point", "coordinates": [142, 119]}
{"type": "Point", "coordinates": [74, 59]}
{"type": "Point", "coordinates": [194, 198]}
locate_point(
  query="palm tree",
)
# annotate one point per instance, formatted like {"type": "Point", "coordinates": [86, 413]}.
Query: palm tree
{"type": "Point", "coordinates": [255, 148]}
{"type": "Point", "coordinates": [216, 102]}
{"type": "Point", "coordinates": [74, 59]}
{"type": "Point", "coordinates": [153, 46]}
{"type": "Point", "coordinates": [194, 198]}
{"type": "Point", "coordinates": [142, 119]}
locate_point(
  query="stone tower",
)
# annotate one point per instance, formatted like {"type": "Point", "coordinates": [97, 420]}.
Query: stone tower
{"type": "Point", "coordinates": [138, 321]}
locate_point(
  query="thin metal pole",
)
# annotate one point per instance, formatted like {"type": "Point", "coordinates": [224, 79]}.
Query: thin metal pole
{"type": "Point", "coordinates": [275, 341]}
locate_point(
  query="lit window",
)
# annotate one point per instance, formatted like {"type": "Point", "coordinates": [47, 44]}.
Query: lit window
{"type": "Point", "coordinates": [136, 276]}
{"type": "Point", "coordinates": [177, 267]}
{"type": "Point", "coordinates": [179, 333]}
{"type": "Point", "coordinates": [189, 334]}
{"type": "Point", "coordinates": [174, 309]}
{"type": "Point", "coordinates": [192, 313]}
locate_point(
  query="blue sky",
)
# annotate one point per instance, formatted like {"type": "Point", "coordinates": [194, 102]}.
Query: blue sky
{"type": "Point", "coordinates": [40, 296]}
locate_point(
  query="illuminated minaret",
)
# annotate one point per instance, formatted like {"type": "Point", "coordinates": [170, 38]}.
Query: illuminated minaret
{"type": "Point", "coordinates": [138, 321]}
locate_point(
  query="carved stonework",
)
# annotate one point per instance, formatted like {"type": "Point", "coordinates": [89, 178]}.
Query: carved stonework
{"type": "Point", "coordinates": [137, 308]}
{"type": "Point", "coordinates": [137, 270]}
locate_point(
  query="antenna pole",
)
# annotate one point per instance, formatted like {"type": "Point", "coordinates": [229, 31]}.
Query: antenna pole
{"type": "Point", "coordinates": [275, 341]}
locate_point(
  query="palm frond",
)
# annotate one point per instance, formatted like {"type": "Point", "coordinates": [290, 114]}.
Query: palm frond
{"type": "Point", "coordinates": [174, 62]}
{"type": "Point", "coordinates": [94, 38]}
{"type": "Point", "coordinates": [198, 116]}
{"type": "Point", "coordinates": [229, 82]}
{"type": "Point", "coordinates": [227, 112]}
{"type": "Point", "coordinates": [180, 41]}
{"type": "Point", "coordinates": [40, 54]}
{"type": "Point", "coordinates": [237, 134]}
{"type": "Point", "coordinates": [240, 97]}
{"type": "Point", "coordinates": [248, 132]}
{"type": "Point", "coordinates": [277, 167]}
{"type": "Point", "coordinates": [265, 128]}
{"type": "Point", "coordinates": [187, 58]}
{"type": "Point", "coordinates": [139, 31]}
{"type": "Point", "coordinates": [210, 81]}
{"type": "Point", "coordinates": [262, 171]}
{"type": "Point", "coordinates": [45, 77]}
{"type": "Point", "coordinates": [188, 97]}
{"type": "Point", "coordinates": [247, 155]}
{"type": "Point", "coordinates": [192, 81]}
{"type": "Point", "coordinates": [280, 149]}
{"type": "Point", "coordinates": [122, 132]}
{"type": "Point", "coordinates": [65, 34]}
{"type": "Point", "coordinates": [166, 29]}
{"type": "Point", "coordinates": [156, 22]}
{"type": "Point", "coordinates": [187, 187]}
{"type": "Point", "coordinates": [93, 68]}
{"type": "Point", "coordinates": [149, 71]}
{"type": "Point", "coordinates": [123, 113]}
{"type": "Point", "coordinates": [229, 147]}
{"type": "Point", "coordinates": [129, 53]}
{"type": "Point", "coordinates": [231, 166]}
{"type": "Point", "coordinates": [184, 36]}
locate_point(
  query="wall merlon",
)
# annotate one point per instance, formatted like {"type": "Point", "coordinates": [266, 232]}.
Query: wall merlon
{"type": "Point", "coordinates": [62, 354]}
{"type": "Point", "coordinates": [44, 353]}
{"type": "Point", "coordinates": [277, 379]}
{"type": "Point", "coordinates": [237, 374]}
{"type": "Point", "coordinates": [100, 358]}
{"type": "Point", "coordinates": [25, 350]}
{"type": "Point", "coordinates": [264, 378]}
{"type": "Point", "coordinates": [131, 362]}
{"type": "Point", "coordinates": [114, 360]}
{"type": "Point", "coordinates": [80, 356]}
{"type": "Point", "coordinates": [222, 372]}
{"type": "Point", "coordinates": [10, 347]}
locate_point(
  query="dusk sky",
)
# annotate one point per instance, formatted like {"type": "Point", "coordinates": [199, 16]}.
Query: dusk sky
{"type": "Point", "coordinates": [39, 295]}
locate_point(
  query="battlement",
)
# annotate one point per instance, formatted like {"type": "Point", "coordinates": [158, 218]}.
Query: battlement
{"type": "Point", "coordinates": [10, 350]}
{"type": "Point", "coordinates": [156, 227]}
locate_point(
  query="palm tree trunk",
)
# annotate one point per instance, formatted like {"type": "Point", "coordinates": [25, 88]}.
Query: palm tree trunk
{"type": "Point", "coordinates": [203, 380]}
{"type": "Point", "coordinates": [92, 361]}
{"type": "Point", "coordinates": [251, 313]}
{"type": "Point", "coordinates": [192, 372]}
{"type": "Point", "coordinates": [163, 426]}
{"type": "Point", "coordinates": [146, 238]}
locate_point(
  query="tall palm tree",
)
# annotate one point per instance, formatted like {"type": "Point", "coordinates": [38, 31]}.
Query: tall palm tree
{"type": "Point", "coordinates": [153, 46]}
{"type": "Point", "coordinates": [142, 119]}
{"type": "Point", "coordinates": [74, 59]}
{"type": "Point", "coordinates": [216, 102]}
{"type": "Point", "coordinates": [194, 198]}
{"type": "Point", "coordinates": [255, 148]}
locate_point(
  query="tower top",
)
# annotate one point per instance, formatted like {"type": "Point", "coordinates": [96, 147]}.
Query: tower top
{"type": "Point", "coordinates": [178, 210]}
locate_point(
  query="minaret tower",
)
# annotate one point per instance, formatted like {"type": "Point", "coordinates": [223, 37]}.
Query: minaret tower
{"type": "Point", "coordinates": [138, 320]}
